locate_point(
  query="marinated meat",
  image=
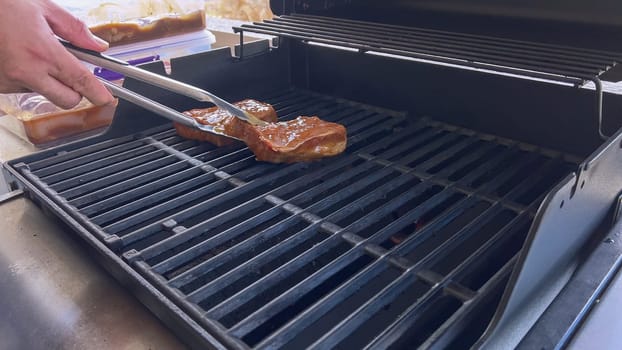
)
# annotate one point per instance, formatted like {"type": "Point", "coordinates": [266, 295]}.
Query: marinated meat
{"type": "Point", "coordinates": [299, 140]}
{"type": "Point", "coordinates": [149, 28]}
{"type": "Point", "coordinates": [220, 119]}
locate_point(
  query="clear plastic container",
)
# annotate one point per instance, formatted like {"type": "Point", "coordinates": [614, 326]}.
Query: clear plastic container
{"type": "Point", "coordinates": [33, 118]}
{"type": "Point", "coordinates": [149, 28]}
{"type": "Point", "coordinates": [165, 48]}
{"type": "Point", "coordinates": [144, 31]}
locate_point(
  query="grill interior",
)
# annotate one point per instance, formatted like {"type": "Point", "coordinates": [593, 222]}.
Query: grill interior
{"type": "Point", "coordinates": [407, 239]}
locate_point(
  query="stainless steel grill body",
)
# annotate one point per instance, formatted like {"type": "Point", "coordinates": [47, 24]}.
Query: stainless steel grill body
{"type": "Point", "coordinates": [407, 239]}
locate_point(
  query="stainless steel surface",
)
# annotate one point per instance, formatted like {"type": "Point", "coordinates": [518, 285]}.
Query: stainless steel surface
{"type": "Point", "coordinates": [567, 218]}
{"type": "Point", "coordinates": [603, 327]}
{"type": "Point", "coordinates": [162, 82]}
{"type": "Point", "coordinates": [56, 297]}
{"type": "Point", "coordinates": [161, 109]}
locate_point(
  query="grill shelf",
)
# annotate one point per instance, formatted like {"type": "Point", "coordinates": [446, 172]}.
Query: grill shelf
{"type": "Point", "coordinates": [396, 242]}
{"type": "Point", "coordinates": [558, 63]}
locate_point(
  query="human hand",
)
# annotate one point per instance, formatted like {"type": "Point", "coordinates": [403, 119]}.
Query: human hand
{"type": "Point", "coordinates": [31, 58]}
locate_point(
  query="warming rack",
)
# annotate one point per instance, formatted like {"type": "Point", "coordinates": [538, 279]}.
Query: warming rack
{"type": "Point", "coordinates": [553, 63]}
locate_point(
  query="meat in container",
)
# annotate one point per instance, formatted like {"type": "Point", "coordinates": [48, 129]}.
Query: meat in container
{"type": "Point", "coordinates": [121, 23]}
{"type": "Point", "coordinates": [35, 119]}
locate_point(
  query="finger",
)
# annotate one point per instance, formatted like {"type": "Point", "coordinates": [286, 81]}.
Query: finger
{"type": "Point", "coordinates": [55, 91]}
{"type": "Point", "coordinates": [71, 72]}
{"type": "Point", "coordinates": [70, 28]}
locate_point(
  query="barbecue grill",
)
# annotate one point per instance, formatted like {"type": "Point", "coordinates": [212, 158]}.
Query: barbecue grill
{"type": "Point", "coordinates": [469, 208]}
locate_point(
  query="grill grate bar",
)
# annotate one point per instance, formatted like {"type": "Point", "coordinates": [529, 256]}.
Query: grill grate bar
{"type": "Point", "coordinates": [220, 200]}
{"type": "Point", "coordinates": [497, 160]}
{"type": "Point", "coordinates": [303, 320]}
{"type": "Point", "coordinates": [300, 106]}
{"type": "Point", "coordinates": [402, 142]}
{"type": "Point", "coordinates": [192, 233]}
{"type": "Point", "coordinates": [209, 289]}
{"type": "Point", "coordinates": [235, 301]}
{"type": "Point", "coordinates": [68, 171]}
{"type": "Point", "coordinates": [349, 324]}
{"type": "Point", "coordinates": [485, 151]}
{"type": "Point", "coordinates": [438, 253]}
{"type": "Point", "coordinates": [214, 286]}
{"type": "Point", "coordinates": [362, 314]}
{"type": "Point", "coordinates": [408, 244]}
{"type": "Point", "coordinates": [64, 160]}
{"type": "Point", "coordinates": [138, 196]}
{"type": "Point", "coordinates": [208, 265]}
{"type": "Point", "coordinates": [443, 156]}
{"type": "Point", "coordinates": [220, 185]}
{"type": "Point", "coordinates": [401, 326]}
{"type": "Point", "coordinates": [204, 246]}
{"type": "Point", "coordinates": [205, 226]}
{"type": "Point", "coordinates": [463, 185]}
{"type": "Point", "coordinates": [269, 280]}
{"type": "Point", "coordinates": [106, 179]}
{"type": "Point", "coordinates": [448, 331]}
{"type": "Point", "coordinates": [396, 203]}
{"type": "Point", "coordinates": [508, 172]}
{"type": "Point", "coordinates": [233, 252]}
{"type": "Point", "coordinates": [244, 327]}
{"type": "Point", "coordinates": [443, 148]}
{"type": "Point", "coordinates": [79, 159]}
{"type": "Point", "coordinates": [248, 324]}
{"type": "Point", "coordinates": [360, 244]}
{"type": "Point", "coordinates": [103, 199]}
{"type": "Point", "coordinates": [362, 184]}
{"type": "Point", "coordinates": [541, 173]}
{"type": "Point", "coordinates": [439, 140]}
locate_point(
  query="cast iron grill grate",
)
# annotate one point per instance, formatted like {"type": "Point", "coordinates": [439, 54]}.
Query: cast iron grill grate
{"type": "Point", "coordinates": [405, 240]}
{"type": "Point", "coordinates": [547, 61]}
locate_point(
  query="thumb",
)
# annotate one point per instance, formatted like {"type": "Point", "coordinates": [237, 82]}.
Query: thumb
{"type": "Point", "coordinates": [70, 28]}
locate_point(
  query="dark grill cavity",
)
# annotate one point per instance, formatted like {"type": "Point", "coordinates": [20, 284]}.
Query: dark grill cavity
{"type": "Point", "coordinates": [405, 240]}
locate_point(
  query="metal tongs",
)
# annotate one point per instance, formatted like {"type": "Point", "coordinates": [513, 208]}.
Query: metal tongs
{"type": "Point", "coordinates": [163, 82]}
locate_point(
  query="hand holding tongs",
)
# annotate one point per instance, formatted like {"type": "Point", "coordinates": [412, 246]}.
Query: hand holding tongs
{"type": "Point", "coordinates": [126, 69]}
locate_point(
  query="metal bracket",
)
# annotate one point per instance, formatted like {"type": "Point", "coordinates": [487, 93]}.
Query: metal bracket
{"type": "Point", "coordinates": [8, 189]}
{"type": "Point", "coordinates": [617, 213]}
{"type": "Point", "coordinates": [273, 43]}
{"type": "Point", "coordinates": [568, 217]}
{"type": "Point", "coordinates": [599, 107]}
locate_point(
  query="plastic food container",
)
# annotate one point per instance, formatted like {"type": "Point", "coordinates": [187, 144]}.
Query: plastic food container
{"type": "Point", "coordinates": [36, 120]}
{"type": "Point", "coordinates": [126, 22]}
{"type": "Point", "coordinates": [145, 31]}
{"type": "Point", "coordinates": [165, 48]}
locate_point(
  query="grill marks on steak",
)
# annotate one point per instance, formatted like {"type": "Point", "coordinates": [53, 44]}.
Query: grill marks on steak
{"type": "Point", "coordinates": [300, 140]}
